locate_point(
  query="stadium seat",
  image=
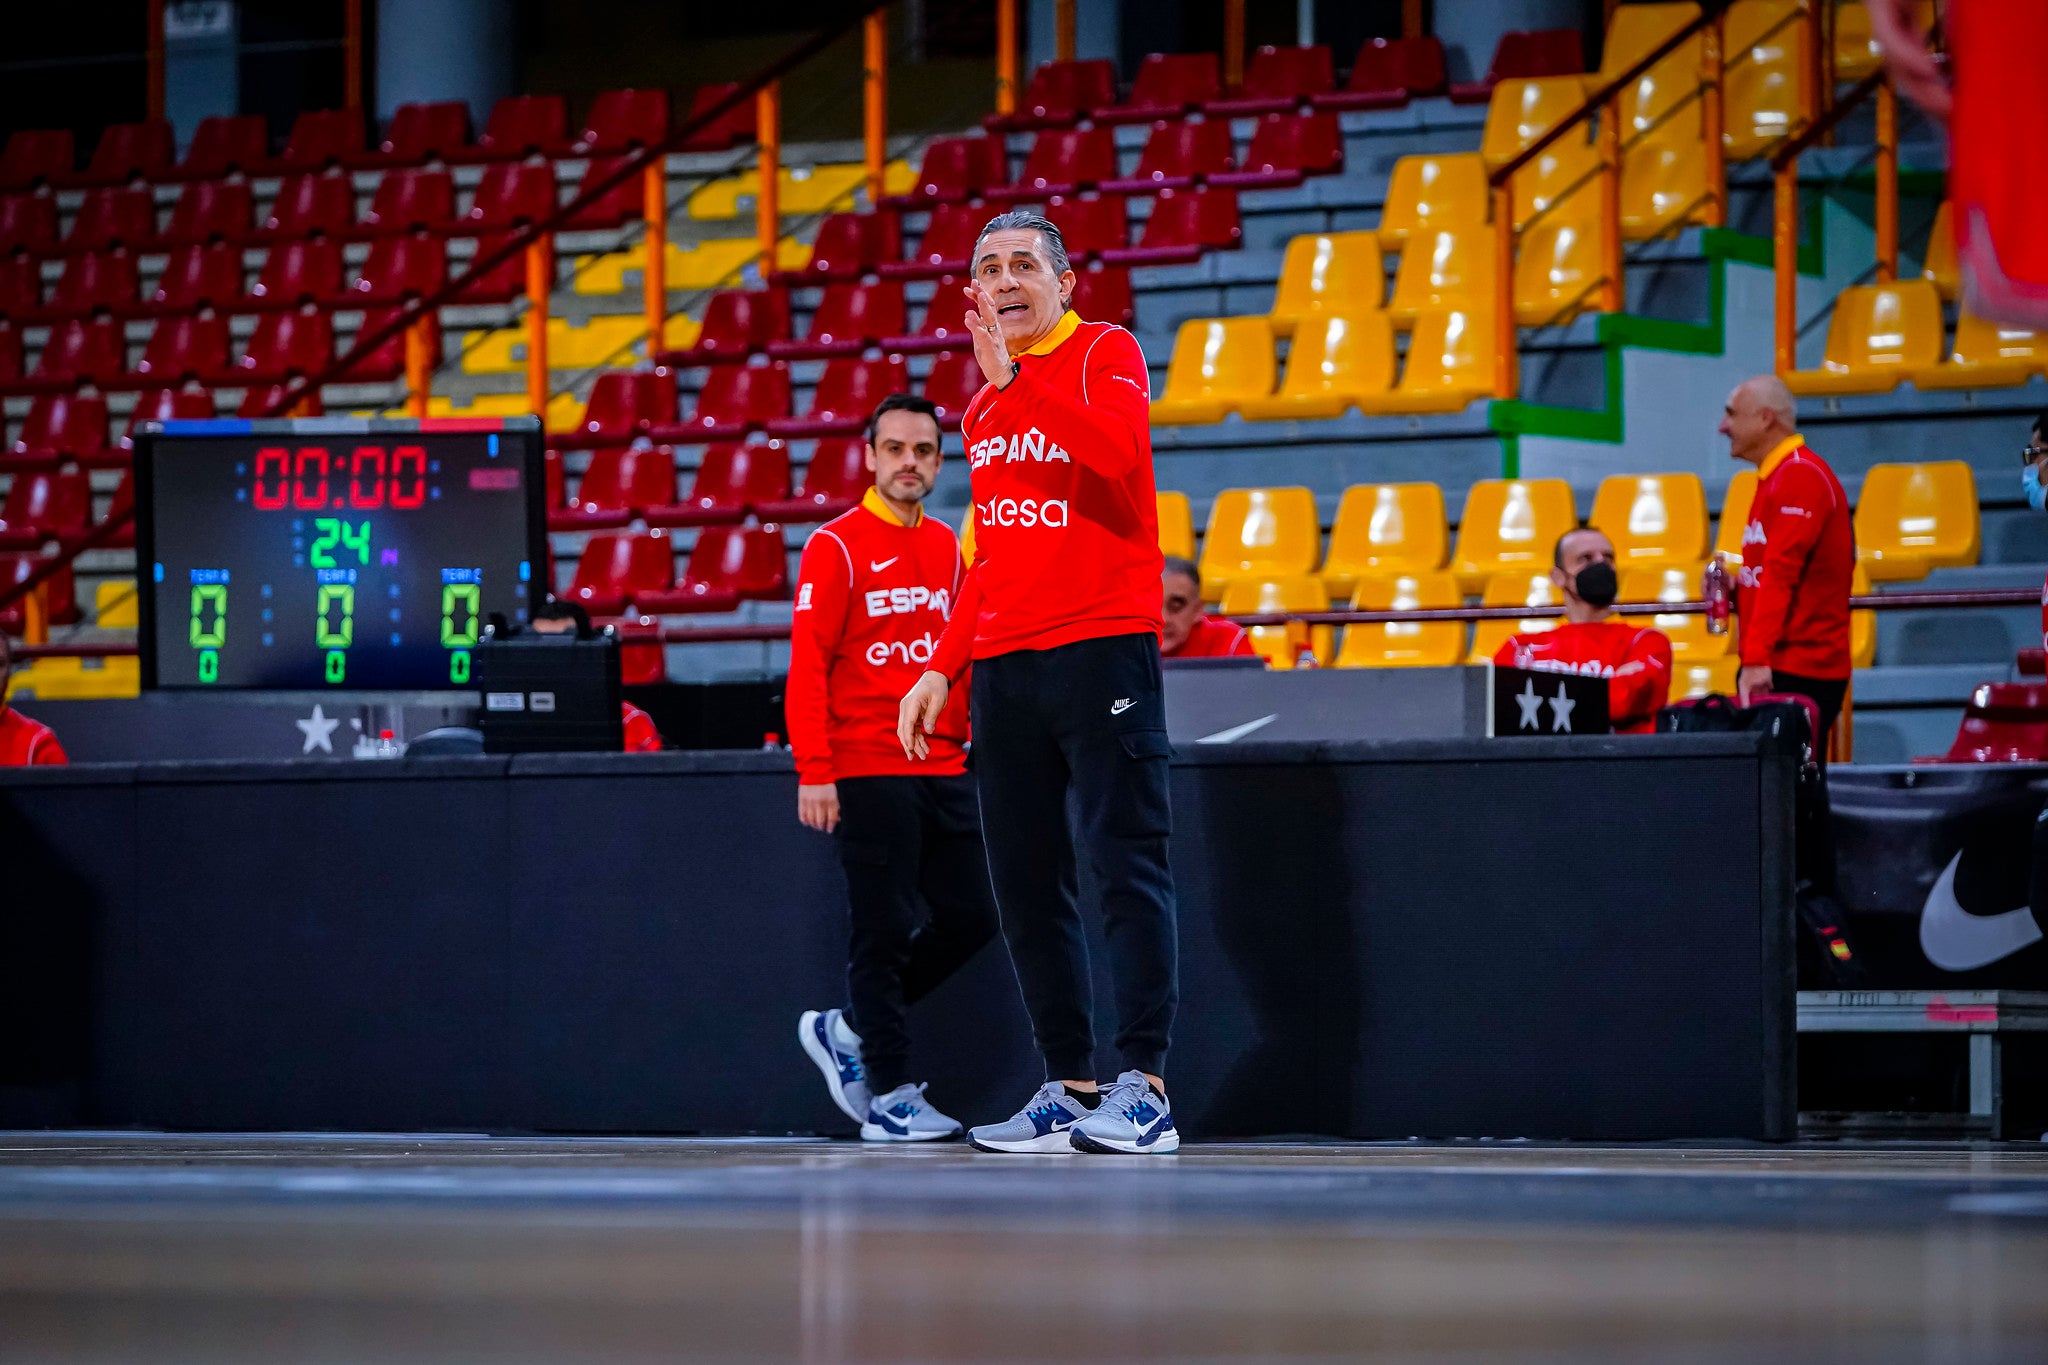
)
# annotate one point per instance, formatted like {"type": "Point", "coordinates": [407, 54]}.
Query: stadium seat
{"type": "Point", "coordinates": [524, 125]}
{"type": "Point", "coordinates": [21, 287]}
{"type": "Point", "coordinates": [847, 392]}
{"type": "Point", "coordinates": [60, 426]}
{"type": "Point", "coordinates": [1765, 75]}
{"type": "Point", "coordinates": [1938, 265]}
{"type": "Point", "coordinates": [736, 127]}
{"type": "Point", "coordinates": [1856, 51]}
{"type": "Point", "coordinates": [731, 480]}
{"type": "Point", "coordinates": [1523, 54]}
{"type": "Point", "coordinates": [225, 144]}
{"type": "Point", "coordinates": [194, 347]}
{"type": "Point", "coordinates": [1510, 526]}
{"type": "Point", "coordinates": [1878, 335]}
{"type": "Point", "coordinates": [735, 400]}
{"type": "Point", "coordinates": [954, 380]}
{"type": "Point", "coordinates": [1217, 363]}
{"type": "Point", "coordinates": [557, 481]}
{"type": "Point", "coordinates": [618, 482]}
{"type": "Point", "coordinates": [1663, 179]}
{"type": "Point", "coordinates": [1176, 155]}
{"type": "Point", "coordinates": [617, 568]}
{"type": "Point", "coordinates": [1103, 295]}
{"type": "Point", "coordinates": [1863, 622]}
{"type": "Point", "coordinates": [1385, 528]}
{"type": "Point", "coordinates": [1449, 365]}
{"type": "Point", "coordinates": [1987, 355]}
{"type": "Point", "coordinates": [1058, 94]}
{"type": "Point", "coordinates": [623, 120]}
{"type": "Point", "coordinates": [1446, 269]}
{"type": "Point", "coordinates": [1404, 644]}
{"type": "Point", "coordinates": [398, 269]}
{"type": "Point", "coordinates": [955, 169]}
{"type": "Point", "coordinates": [1652, 519]}
{"type": "Point", "coordinates": [1090, 226]}
{"type": "Point", "coordinates": [210, 211]}
{"type": "Point", "coordinates": [113, 217]}
{"type": "Point", "coordinates": [163, 405]}
{"type": "Point", "coordinates": [1560, 264]}
{"type": "Point", "coordinates": [1176, 524]}
{"type": "Point", "coordinates": [737, 322]}
{"type": "Point", "coordinates": [1336, 361]}
{"type": "Point", "coordinates": [385, 362]}
{"type": "Point", "coordinates": [1062, 161]}
{"type": "Point", "coordinates": [11, 377]}
{"type": "Point", "coordinates": [947, 242]}
{"type": "Point", "coordinates": [848, 246]}
{"type": "Point", "coordinates": [1694, 678]}
{"type": "Point", "coordinates": [1734, 519]}
{"type": "Point", "coordinates": [304, 272]}
{"type": "Point", "coordinates": [311, 206]}
{"type": "Point", "coordinates": [624, 201]}
{"type": "Point", "coordinates": [97, 282]}
{"type": "Point", "coordinates": [832, 482]}
{"type": "Point", "coordinates": [1687, 631]}
{"type": "Point", "coordinates": [1387, 72]}
{"type": "Point", "coordinates": [2002, 723]}
{"type": "Point", "coordinates": [1168, 85]}
{"type": "Point", "coordinates": [44, 506]}
{"type": "Point", "coordinates": [727, 565]}
{"type": "Point", "coordinates": [1259, 533]}
{"type": "Point", "coordinates": [321, 140]}
{"type": "Point", "coordinates": [1184, 223]}
{"type": "Point", "coordinates": [1433, 191]}
{"type": "Point", "coordinates": [1278, 79]}
{"type": "Point", "coordinates": [1281, 646]}
{"type": "Point", "coordinates": [1513, 588]}
{"type": "Point", "coordinates": [423, 132]}
{"type": "Point", "coordinates": [624, 406]}
{"type": "Point", "coordinates": [37, 156]}
{"type": "Point", "coordinates": [28, 223]}
{"type": "Point", "coordinates": [114, 601]}
{"type": "Point", "coordinates": [850, 318]}
{"type": "Point", "coordinates": [131, 151]}
{"type": "Point", "coordinates": [503, 282]}
{"type": "Point", "coordinates": [512, 196]}
{"type": "Point", "coordinates": [942, 327]}
{"type": "Point", "coordinates": [410, 201]}
{"type": "Point", "coordinates": [60, 593]}
{"type": "Point", "coordinates": [1911, 518]}
{"type": "Point", "coordinates": [1520, 112]}
{"type": "Point", "coordinates": [1285, 148]}
{"type": "Point", "coordinates": [278, 400]}
{"type": "Point", "coordinates": [80, 349]}
{"type": "Point", "coordinates": [285, 345]}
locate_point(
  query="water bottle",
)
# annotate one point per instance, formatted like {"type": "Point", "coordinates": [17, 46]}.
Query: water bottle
{"type": "Point", "coordinates": [1715, 588]}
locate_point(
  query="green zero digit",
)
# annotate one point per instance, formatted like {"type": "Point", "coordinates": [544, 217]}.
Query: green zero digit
{"type": "Point", "coordinates": [458, 666]}
{"type": "Point", "coordinates": [337, 665]}
{"type": "Point", "coordinates": [466, 597]}
{"type": "Point", "coordinates": [335, 637]}
{"type": "Point", "coordinates": [216, 635]}
{"type": "Point", "coordinates": [209, 665]}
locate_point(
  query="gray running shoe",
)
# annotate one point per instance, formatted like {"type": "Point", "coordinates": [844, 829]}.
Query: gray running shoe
{"type": "Point", "coordinates": [836, 1050]}
{"type": "Point", "coordinates": [902, 1115]}
{"type": "Point", "coordinates": [1133, 1117]}
{"type": "Point", "coordinates": [1041, 1125]}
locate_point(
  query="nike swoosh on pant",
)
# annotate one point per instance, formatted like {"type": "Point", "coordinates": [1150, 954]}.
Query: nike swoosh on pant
{"type": "Point", "coordinates": [1957, 941]}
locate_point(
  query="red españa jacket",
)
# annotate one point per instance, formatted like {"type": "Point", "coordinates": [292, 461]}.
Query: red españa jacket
{"type": "Point", "coordinates": [1798, 559]}
{"type": "Point", "coordinates": [1635, 660]}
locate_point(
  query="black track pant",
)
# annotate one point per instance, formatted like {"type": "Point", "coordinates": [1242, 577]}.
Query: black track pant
{"type": "Point", "coordinates": [1083, 724]}
{"type": "Point", "coordinates": [917, 889]}
{"type": "Point", "coordinates": [1815, 835]}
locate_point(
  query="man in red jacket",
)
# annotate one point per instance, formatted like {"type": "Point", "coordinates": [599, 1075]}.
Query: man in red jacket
{"type": "Point", "coordinates": [1593, 642]}
{"type": "Point", "coordinates": [874, 589]}
{"type": "Point", "coordinates": [23, 741]}
{"type": "Point", "coordinates": [1060, 615]}
{"type": "Point", "coordinates": [1798, 557]}
{"type": "Point", "coordinates": [1185, 630]}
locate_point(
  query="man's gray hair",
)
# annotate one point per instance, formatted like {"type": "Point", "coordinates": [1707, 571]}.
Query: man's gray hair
{"type": "Point", "coordinates": [1026, 220]}
{"type": "Point", "coordinates": [1176, 564]}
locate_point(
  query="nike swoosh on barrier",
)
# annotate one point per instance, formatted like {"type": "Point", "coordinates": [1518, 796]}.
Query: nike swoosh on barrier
{"type": "Point", "coordinates": [1957, 941]}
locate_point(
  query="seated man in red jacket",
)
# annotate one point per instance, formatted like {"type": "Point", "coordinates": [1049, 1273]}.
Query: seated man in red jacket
{"type": "Point", "coordinates": [1185, 630]}
{"type": "Point", "coordinates": [1636, 660]}
{"type": "Point", "coordinates": [22, 741]}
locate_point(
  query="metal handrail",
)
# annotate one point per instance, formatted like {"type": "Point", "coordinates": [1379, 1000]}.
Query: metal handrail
{"type": "Point", "coordinates": [1788, 150]}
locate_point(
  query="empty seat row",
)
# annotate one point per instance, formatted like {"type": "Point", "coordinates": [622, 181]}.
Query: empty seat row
{"type": "Point", "coordinates": [1882, 335]}
{"type": "Point", "coordinates": [72, 428]}
{"type": "Point", "coordinates": [194, 348]}
{"type": "Point", "coordinates": [1336, 363]}
{"type": "Point", "coordinates": [636, 569]}
{"type": "Point", "coordinates": [733, 481]}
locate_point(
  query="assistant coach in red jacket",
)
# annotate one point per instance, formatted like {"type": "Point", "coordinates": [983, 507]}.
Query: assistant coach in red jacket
{"type": "Point", "coordinates": [1060, 617]}
{"type": "Point", "coordinates": [1592, 642]}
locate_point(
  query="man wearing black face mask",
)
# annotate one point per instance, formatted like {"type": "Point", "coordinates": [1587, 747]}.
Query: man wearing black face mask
{"type": "Point", "coordinates": [1592, 642]}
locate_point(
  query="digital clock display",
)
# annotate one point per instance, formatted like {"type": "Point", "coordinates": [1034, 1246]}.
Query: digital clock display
{"type": "Point", "coordinates": [333, 553]}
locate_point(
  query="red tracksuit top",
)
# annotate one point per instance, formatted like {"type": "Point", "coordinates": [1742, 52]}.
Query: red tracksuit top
{"type": "Point", "coordinates": [1635, 660]}
{"type": "Point", "coordinates": [24, 741]}
{"type": "Point", "coordinates": [1798, 558]}
{"type": "Point", "coordinates": [872, 598]}
{"type": "Point", "coordinates": [1066, 517]}
{"type": "Point", "coordinates": [1212, 637]}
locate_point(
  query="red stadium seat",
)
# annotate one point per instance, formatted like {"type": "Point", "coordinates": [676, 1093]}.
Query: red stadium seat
{"type": "Point", "coordinates": [624, 405]}
{"type": "Point", "coordinates": [1059, 93]}
{"type": "Point", "coordinates": [1279, 79]}
{"type": "Point", "coordinates": [1525, 54]}
{"type": "Point", "coordinates": [951, 386]}
{"type": "Point", "coordinates": [122, 505]}
{"type": "Point", "coordinates": [641, 659]}
{"type": "Point", "coordinates": [735, 400]}
{"type": "Point", "coordinates": [411, 201]}
{"type": "Point", "coordinates": [277, 400]}
{"type": "Point", "coordinates": [1176, 156]}
{"type": "Point", "coordinates": [948, 241]}
{"type": "Point", "coordinates": [502, 282]}
{"type": "Point", "coordinates": [617, 484]}
{"type": "Point", "coordinates": [2003, 723]}
{"type": "Point", "coordinates": [59, 591]}
{"type": "Point", "coordinates": [10, 356]}
{"type": "Point", "coordinates": [225, 144]}
{"type": "Point", "coordinates": [616, 569]}
{"type": "Point", "coordinates": [211, 211]}
{"type": "Point", "coordinates": [81, 349]}
{"type": "Point", "coordinates": [737, 126]}
{"type": "Point", "coordinates": [622, 120]}
{"type": "Point", "coordinates": [287, 345]}
{"type": "Point", "coordinates": [37, 156]}
{"type": "Point", "coordinates": [1285, 148]}
{"type": "Point", "coordinates": [131, 151]}
{"type": "Point", "coordinates": [1103, 295]}
{"type": "Point", "coordinates": [311, 206]}
{"type": "Point", "coordinates": [1063, 161]}
{"type": "Point", "coordinates": [556, 480]}
{"type": "Point", "coordinates": [43, 506]}
{"type": "Point", "coordinates": [60, 426]}
{"type": "Point", "coordinates": [164, 405]}
{"type": "Point", "coordinates": [21, 287]}
{"type": "Point", "coordinates": [1387, 73]}
{"type": "Point", "coordinates": [420, 133]}
{"type": "Point", "coordinates": [737, 322]}
{"type": "Point", "coordinates": [850, 245]}
{"type": "Point", "coordinates": [305, 272]}
{"type": "Point", "coordinates": [511, 196]}
{"type": "Point", "coordinates": [943, 328]}
{"type": "Point", "coordinates": [100, 282]}
{"type": "Point", "coordinates": [522, 126]}
{"type": "Point", "coordinates": [28, 222]}
{"type": "Point", "coordinates": [190, 347]}
{"type": "Point", "coordinates": [833, 482]}
{"type": "Point", "coordinates": [731, 480]}
{"type": "Point", "coordinates": [850, 318]}
{"type": "Point", "coordinates": [386, 360]}
{"type": "Point", "coordinates": [622, 202]}
{"type": "Point", "coordinates": [321, 140]}
{"type": "Point", "coordinates": [1089, 227]}
{"type": "Point", "coordinates": [1184, 224]}
{"type": "Point", "coordinates": [847, 392]}
{"type": "Point", "coordinates": [1169, 84]}
{"type": "Point", "coordinates": [955, 169]}
{"type": "Point", "coordinates": [398, 269]}
{"type": "Point", "coordinates": [200, 277]}
{"type": "Point", "coordinates": [113, 217]}
{"type": "Point", "coordinates": [727, 565]}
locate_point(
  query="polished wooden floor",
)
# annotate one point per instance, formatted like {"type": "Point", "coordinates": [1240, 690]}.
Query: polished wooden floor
{"type": "Point", "coordinates": [124, 1247]}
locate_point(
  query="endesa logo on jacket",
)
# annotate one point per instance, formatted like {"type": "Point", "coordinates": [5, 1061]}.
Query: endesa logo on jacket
{"type": "Point", "coordinates": [1021, 512]}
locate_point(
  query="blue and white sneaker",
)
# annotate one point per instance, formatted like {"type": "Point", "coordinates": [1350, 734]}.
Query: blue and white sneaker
{"type": "Point", "coordinates": [836, 1050]}
{"type": "Point", "coordinates": [1133, 1117]}
{"type": "Point", "coordinates": [902, 1115]}
{"type": "Point", "coordinates": [1041, 1125]}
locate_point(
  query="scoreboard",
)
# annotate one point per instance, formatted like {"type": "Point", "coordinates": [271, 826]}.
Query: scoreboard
{"type": "Point", "coordinates": [327, 554]}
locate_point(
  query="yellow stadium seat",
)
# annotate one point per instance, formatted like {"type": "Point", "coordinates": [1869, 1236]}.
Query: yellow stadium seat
{"type": "Point", "coordinates": [1862, 623]}
{"type": "Point", "coordinates": [1328, 274]}
{"type": "Point", "coordinates": [1335, 362]}
{"type": "Point", "coordinates": [1449, 365]}
{"type": "Point", "coordinates": [1856, 51]}
{"type": "Point", "coordinates": [1176, 525]}
{"type": "Point", "coordinates": [708, 265]}
{"type": "Point", "coordinates": [1664, 176]}
{"type": "Point", "coordinates": [1939, 264]}
{"type": "Point", "coordinates": [1217, 362]}
{"type": "Point", "coordinates": [1404, 644]}
{"type": "Point", "coordinates": [1384, 528]}
{"type": "Point", "coordinates": [115, 605]}
{"type": "Point", "coordinates": [1663, 180]}
{"type": "Point", "coordinates": [1446, 268]}
{"type": "Point", "coordinates": [1653, 519]}
{"type": "Point", "coordinates": [1634, 31]}
{"type": "Point", "coordinates": [613, 341]}
{"type": "Point", "coordinates": [1567, 174]}
{"type": "Point", "coordinates": [1687, 632]}
{"type": "Point", "coordinates": [78, 679]}
{"type": "Point", "coordinates": [1524, 588]}
{"type": "Point", "coordinates": [1433, 191]}
{"type": "Point", "coordinates": [564, 410]}
{"type": "Point", "coordinates": [1987, 355]}
{"type": "Point", "coordinates": [1279, 645]}
{"type": "Point", "coordinates": [1765, 74]}
{"type": "Point", "coordinates": [1259, 533]}
{"type": "Point", "coordinates": [1559, 263]}
{"type": "Point", "coordinates": [1735, 515]}
{"type": "Point", "coordinates": [799, 189]}
{"type": "Point", "coordinates": [1520, 111]}
{"type": "Point", "coordinates": [1700, 677]}
{"type": "Point", "coordinates": [1879, 334]}
{"type": "Point", "coordinates": [1511, 526]}
{"type": "Point", "coordinates": [1915, 517]}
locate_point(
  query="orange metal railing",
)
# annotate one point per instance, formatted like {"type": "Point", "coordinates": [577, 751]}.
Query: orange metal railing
{"type": "Point", "coordinates": [1785, 208]}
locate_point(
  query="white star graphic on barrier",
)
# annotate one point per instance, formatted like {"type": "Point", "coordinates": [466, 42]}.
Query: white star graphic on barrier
{"type": "Point", "coordinates": [1531, 706]}
{"type": "Point", "coordinates": [1561, 708]}
{"type": "Point", "coordinates": [318, 730]}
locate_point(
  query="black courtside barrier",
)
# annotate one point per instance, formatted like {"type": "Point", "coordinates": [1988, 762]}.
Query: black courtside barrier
{"type": "Point", "coordinates": [1573, 938]}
